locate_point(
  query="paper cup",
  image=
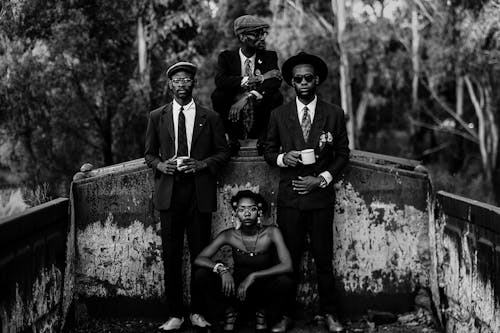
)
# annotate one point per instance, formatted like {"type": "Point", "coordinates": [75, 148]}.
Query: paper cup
{"type": "Point", "coordinates": [307, 156]}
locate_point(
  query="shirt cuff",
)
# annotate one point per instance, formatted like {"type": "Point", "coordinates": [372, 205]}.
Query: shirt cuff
{"type": "Point", "coordinates": [256, 94]}
{"type": "Point", "coordinates": [328, 177]}
{"type": "Point", "coordinates": [244, 81]}
{"type": "Point", "coordinates": [279, 160]}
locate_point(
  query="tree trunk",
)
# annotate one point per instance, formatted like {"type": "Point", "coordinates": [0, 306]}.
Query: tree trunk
{"type": "Point", "coordinates": [141, 48]}
{"type": "Point", "coordinates": [487, 128]}
{"type": "Point", "coordinates": [363, 104]}
{"type": "Point", "coordinates": [345, 81]}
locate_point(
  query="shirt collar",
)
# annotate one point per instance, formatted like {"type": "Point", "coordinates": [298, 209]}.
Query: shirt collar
{"type": "Point", "coordinates": [244, 57]}
{"type": "Point", "coordinates": [176, 106]}
{"type": "Point", "coordinates": [311, 106]}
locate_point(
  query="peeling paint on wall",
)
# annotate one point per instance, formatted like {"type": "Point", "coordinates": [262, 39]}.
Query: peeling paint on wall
{"type": "Point", "coordinates": [472, 306]}
{"type": "Point", "coordinates": [37, 311]}
{"type": "Point", "coordinates": [377, 246]}
{"type": "Point", "coordinates": [114, 261]}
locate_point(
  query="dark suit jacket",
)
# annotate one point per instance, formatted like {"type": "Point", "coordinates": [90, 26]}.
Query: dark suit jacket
{"type": "Point", "coordinates": [228, 80]}
{"type": "Point", "coordinates": [284, 132]}
{"type": "Point", "coordinates": [208, 144]}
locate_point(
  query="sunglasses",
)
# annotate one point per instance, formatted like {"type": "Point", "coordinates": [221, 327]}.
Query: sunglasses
{"type": "Point", "coordinates": [257, 35]}
{"type": "Point", "coordinates": [308, 77]}
{"type": "Point", "coordinates": [184, 80]}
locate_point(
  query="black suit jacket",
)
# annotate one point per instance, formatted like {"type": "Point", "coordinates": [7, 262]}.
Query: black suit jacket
{"type": "Point", "coordinates": [284, 132]}
{"type": "Point", "coordinates": [208, 144]}
{"type": "Point", "coordinates": [228, 80]}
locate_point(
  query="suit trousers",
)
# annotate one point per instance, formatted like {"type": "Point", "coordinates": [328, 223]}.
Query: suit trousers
{"type": "Point", "coordinates": [182, 216]}
{"type": "Point", "coordinates": [273, 294]}
{"type": "Point", "coordinates": [295, 224]}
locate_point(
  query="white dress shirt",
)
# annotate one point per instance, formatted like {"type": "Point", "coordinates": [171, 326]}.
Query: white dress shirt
{"type": "Point", "coordinates": [300, 113]}
{"type": "Point", "coordinates": [189, 114]}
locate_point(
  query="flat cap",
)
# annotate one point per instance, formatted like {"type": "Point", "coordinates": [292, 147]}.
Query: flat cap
{"type": "Point", "coordinates": [181, 65]}
{"type": "Point", "coordinates": [247, 23]}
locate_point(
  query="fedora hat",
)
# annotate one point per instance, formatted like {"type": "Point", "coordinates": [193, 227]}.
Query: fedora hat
{"type": "Point", "coordinates": [320, 67]}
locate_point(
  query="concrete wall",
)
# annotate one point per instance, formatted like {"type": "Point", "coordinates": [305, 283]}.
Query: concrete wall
{"type": "Point", "coordinates": [32, 266]}
{"type": "Point", "coordinates": [468, 253]}
{"type": "Point", "coordinates": [381, 250]}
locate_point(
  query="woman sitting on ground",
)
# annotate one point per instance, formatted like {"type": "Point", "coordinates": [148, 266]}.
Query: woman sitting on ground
{"type": "Point", "coordinates": [262, 262]}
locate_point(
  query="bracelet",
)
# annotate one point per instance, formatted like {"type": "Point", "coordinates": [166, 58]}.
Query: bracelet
{"type": "Point", "coordinates": [216, 267]}
{"type": "Point", "coordinates": [220, 268]}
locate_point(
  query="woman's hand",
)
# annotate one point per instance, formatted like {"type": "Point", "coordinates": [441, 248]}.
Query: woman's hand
{"type": "Point", "coordinates": [244, 285]}
{"type": "Point", "coordinates": [227, 283]}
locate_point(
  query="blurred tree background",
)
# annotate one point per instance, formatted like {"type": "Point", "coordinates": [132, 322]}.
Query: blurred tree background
{"type": "Point", "coordinates": [419, 78]}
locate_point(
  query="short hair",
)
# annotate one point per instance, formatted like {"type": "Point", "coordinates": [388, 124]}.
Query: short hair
{"type": "Point", "coordinates": [259, 199]}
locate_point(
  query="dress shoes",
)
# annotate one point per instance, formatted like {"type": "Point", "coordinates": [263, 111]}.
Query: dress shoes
{"type": "Point", "coordinates": [197, 320]}
{"type": "Point", "coordinates": [173, 323]}
{"type": "Point", "coordinates": [333, 324]}
{"type": "Point", "coordinates": [282, 326]}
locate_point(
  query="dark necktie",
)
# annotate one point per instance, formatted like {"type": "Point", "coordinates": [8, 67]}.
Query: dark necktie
{"type": "Point", "coordinates": [306, 123]}
{"type": "Point", "coordinates": [182, 146]}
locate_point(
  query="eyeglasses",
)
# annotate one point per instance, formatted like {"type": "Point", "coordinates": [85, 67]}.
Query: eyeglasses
{"type": "Point", "coordinates": [251, 209]}
{"type": "Point", "coordinates": [308, 77]}
{"type": "Point", "coordinates": [257, 34]}
{"type": "Point", "coordinates": [184, 80]}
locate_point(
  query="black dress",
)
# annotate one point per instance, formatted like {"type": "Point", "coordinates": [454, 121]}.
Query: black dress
{"type": "Point", "coordinates": [274, 294]}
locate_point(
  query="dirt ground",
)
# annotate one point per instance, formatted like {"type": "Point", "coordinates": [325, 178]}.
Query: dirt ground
{"type": "Point", "coordinates": [409, 323]}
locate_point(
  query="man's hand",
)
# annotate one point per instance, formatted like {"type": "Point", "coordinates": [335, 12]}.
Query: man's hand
{"type": "Point", "coordinates": [244, 285]}
{"type": "Point", "coordinates": [234, 112]}
{"type": "Point", "coordinates": [227, 283]}
{"type": "Point", "coordinates": [168, 167]}
{"type": "Point", "coordinates": [273, 73]}
{"type": "Point", "coordinates": [292, 158]}
{"type": "Point", "coordinates": [190, 165]}
{"type": "Point", "coordinates": [306, 184]}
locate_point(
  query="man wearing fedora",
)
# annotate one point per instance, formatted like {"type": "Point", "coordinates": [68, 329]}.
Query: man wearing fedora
{"type": "Point", "coordinates": [247, 84]}
{"type": "Point", "coordinates": [306, 195]}
{"type": "Point", "coordinates": [185, 146]}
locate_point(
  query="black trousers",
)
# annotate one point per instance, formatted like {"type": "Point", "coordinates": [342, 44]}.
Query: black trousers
{"type": "Point", "coordinates": [183, 216]}
{"type": "Point", "coordinates": [274, 294]}
{"type": "Point", "coordinates": [294, 225]}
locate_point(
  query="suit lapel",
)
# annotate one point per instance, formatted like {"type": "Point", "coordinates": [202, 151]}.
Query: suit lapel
{"type": "Point", "coordinates": [168, 120]}
{"type": "Point", "coordinates": [200, 119]}
{"type": "Point", "coordinates": [294, 126]}
{"type": "Point", "coordinates": [317, 125]}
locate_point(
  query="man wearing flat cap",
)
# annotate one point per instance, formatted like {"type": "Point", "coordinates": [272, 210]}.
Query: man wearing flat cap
{"type": "Point", "coordinates": [185, 147]}
{"type": "Point", "coordinates": [247, 84]}
{"type": "Point", "coordinates": [307, 140]}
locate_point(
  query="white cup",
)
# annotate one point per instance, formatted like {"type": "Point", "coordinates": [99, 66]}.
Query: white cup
{"type": "Point", "coordinates": [180, 161]}
{"type": "Point", "coordinates": [307, 156]}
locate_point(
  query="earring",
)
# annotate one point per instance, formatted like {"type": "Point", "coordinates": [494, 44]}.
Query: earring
{"type": "Point", "coordinates": [236, 223]}
{"type": "Point", "coordinates": [259, 222]}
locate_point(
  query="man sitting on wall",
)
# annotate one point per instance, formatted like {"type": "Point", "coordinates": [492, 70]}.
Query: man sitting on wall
{"type": "Point", "coordinates": [247, 84]}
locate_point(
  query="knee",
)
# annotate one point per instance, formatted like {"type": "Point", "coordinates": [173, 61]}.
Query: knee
{"type": "Point", "coordinates": [284, 282]}
{"type": "Point", "coordinates": [202, 275]}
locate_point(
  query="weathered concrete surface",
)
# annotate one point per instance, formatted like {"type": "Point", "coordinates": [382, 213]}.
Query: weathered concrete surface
{"type": "Point", "coordinates": [31, 265]}
{"type": "Point", "coordinates": [380, 231]}
{"type": "Point", "coordinates": [468, 264]}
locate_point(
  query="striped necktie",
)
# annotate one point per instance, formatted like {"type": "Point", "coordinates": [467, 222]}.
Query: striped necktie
{"type": "Point", "coordinates": [182, 146]}
{"type": "Point", "coordinates": [248, 67]}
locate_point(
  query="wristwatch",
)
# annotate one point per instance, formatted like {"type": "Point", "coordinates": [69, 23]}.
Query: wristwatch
{"type": "Point", "coordinates": [323, 183]}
